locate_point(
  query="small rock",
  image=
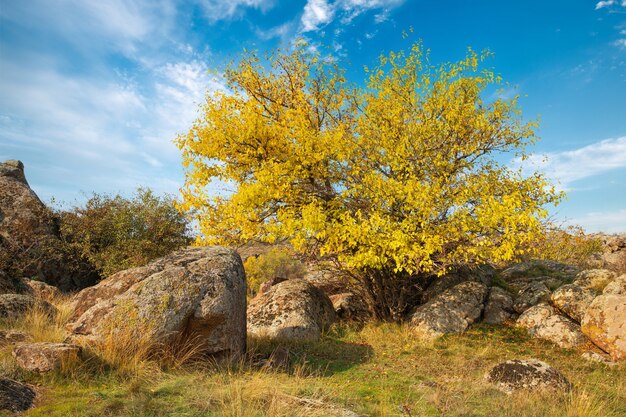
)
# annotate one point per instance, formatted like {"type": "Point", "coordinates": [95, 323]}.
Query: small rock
{"type": "Point", "coordinates": [45, 356]}
{"type": "Point", "coordinates": [499, 307]}
{"type": "Point", "coordinates": [595, 279]}
{"type": "Point", "coordinates": [13, 306]}
{"type": "Point", "coordinates": [40, 290]}
{"type": "Point", "coordinates": [597, 357]}
{"type": "Point", "coordinates": [292, 310]}
{"type": "Point", "coordinates": [451, 311]}
{"type": "Point", "coordinates": [531, 375]}
{"type": "Point", "coordinates": [531, 295]}
{"type": "Point", "coordinates": [14, 396]}
{"type": "Point", "coordinates": [350, 307]}
{"type": "Point", "coordinates": [11, 337]}
{"type": "Point", "coordinates": [573, 300]}
{"type": "Point", "coordinates": [543, 322]}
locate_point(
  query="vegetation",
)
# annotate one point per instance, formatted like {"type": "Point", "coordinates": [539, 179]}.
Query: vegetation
{"type": "Point", "coordinates": [396, 181]}
{"type": "Point", "coordinates": [277, 263]}
{"type": "Point", "coordinates": [116, 233]}
{"type": "Point", "coordinates": [380, 370]}
{"type": "Point", "coordinates": [568, 245]}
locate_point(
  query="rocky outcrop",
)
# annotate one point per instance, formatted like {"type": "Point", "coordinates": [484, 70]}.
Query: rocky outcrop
{"type": "Point", "coordinates": [604, 321]}
{"type": "Point", "coordinates": [11, 337]}
{"type": "Point", "coordinates": [45, 356]}
{"type": "Point", "coordinates": [613, 253]}
{"type": "Point", "coordinates": [451, 311]}
{"type": "Point", "coordinates": [483, 274]}
{"type": "Point", "coordinates": [538, 268]}
{"type": "Point", "coordinates": [330, 282]}
{"type": "Point", "coordinates": [594, 279]}
{"type": "Point", "coordinates": [15, 396]}
{"type": "Point", "coordinates": [350, 307]}
{"type": "Point", "coordinates": [543, 321]}
{"type": "Point", "coordinates": [527, 375]}
{"type": "Point", "coordinates": [196, 293]}
{"type": "Point", "coordinates": [291, 310]}
{"type": "Point", "coordinates": [573, 300]}
{"type": "Point", "coordinates": [13, 306]}
{"type": "Point", "coordinates": [531, 295]}
{"type": "Point", "coordinates": [29, 236]}
{"type": "Point", "coordinates": [39, 289]}
{"type": "Point", "coordinates": [499, 307]}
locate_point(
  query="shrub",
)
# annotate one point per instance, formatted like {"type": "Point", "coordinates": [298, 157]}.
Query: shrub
{"type": "Point", "coordinates": [276, 263]}
{"type": "Point", "coordinates": [116, 233]}
{"type": "Point", "coordinates": [568, 245]}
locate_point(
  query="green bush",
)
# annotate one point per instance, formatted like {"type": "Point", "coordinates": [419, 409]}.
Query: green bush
{"type": "Point", "coordinates": [275, 263]}
{"type": "Point", "coordinates": [116, 233]}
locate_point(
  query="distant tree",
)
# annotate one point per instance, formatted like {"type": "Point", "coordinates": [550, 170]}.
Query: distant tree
{"type": "Point", "coordinates": [397, 181]}
{"type": "Point", "coordinates": [116, 233]}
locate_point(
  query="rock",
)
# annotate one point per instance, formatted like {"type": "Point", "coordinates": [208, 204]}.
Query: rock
{"type": "Point", "coordinates": [538, 268]}
{"type": "Point", "coordinates": [279, 359]}
{"type": "Point", "coordinates": [573, 300]}
{"type": "Point", "coordinates": [604, 321]}
{"type": "Point", "coordinates": [451, 311]}
{"type": "Point", "coordinates": [292, 310]}
{"type": "Point", "coordinates": [29, 234]}
{"type": "Point", "coordinates": [14, 396]}
{"type": "Point", "coordinates": [597, 357]}
{"type": "Point", "coordinates": [613, 251]}
{"type": "Point", "coordinates": [7, 283]}
{"type": "Point", "coordinates": [531, 295]}
{"type": "Point", "coordinates": [45, 356]}
{"type": "Point", "coordinates": [265, 287]}
{"type": "Point", "coordinates": [40, 289]}
{"type": "Point", "coordinates": [196, 293]}
{"type": "Point", "coordinates": [543, 322]}
{"type": "Point", "coordinates": [595, 279]}
{"type": "Point", "coordinates": [483, 274]}
{"type": "Point", "coordinates": [350, 307]}
{"type": "Point", "coordinates": [11, 337]}
{"type": "Point", "coordinates": [13, 306]}
{"type": "Point", "coordinates": [530, 375]}
{"type": "Point", "coordinates": [330, 282]}
{"type": "Point", "coordinates": [499, 307]}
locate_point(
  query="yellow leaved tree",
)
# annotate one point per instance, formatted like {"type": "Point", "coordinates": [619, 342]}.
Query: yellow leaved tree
{"type": "Point", "coordinates": [397, 181]}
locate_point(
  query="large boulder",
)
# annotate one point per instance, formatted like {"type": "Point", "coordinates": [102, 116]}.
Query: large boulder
{"type": "Point", "coordinates": [499, 307]}
{"type": "Point", "coordinates": [197, 294]}
{"type": "Point", "coordinates": [45, 356]}
{"type": "Point", "coordinates": [594, 279]}
{"type": "Point", "coordinates": [451, 311]}
{"type": "Point", "coordinates": [573, 300]}
{"type": "Point", "coordinates": [543, 322]}
{"type": "Point", "coordinates": [538, 268]}
{"type": "Point", "coordinates": [13, 306]}
{"type": "Point", "coordinates": [483, 274]}
{"type": "Point", "coordinates": [330, 282]}
{"type": "Point", "coordinates": [29, 236]}
{"type": "Point", "coordinates": [531, 295]}
{"type": "Point", "coordinates": [15, 396]}
{"type": "Point", "coordinates": [291, 310]}
{"type": "Point", "coordinates": [604, 321]}
{"type": "Point", "coordinates": [527, 375]}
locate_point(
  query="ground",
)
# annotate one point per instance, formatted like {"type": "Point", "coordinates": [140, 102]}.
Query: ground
{"type": "Point", "coordinates": [379, 370]}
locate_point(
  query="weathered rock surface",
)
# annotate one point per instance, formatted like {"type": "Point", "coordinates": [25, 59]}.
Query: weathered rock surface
{"type": "Point", "coordinates": [15, 396]}
{"type": "Point", "coordinates": [544, 322]}
{"type": "Point", "coordinates": [483, 274]}
{"type": "Point", "coordinates": [499, 307]}
{"type": "Point", "coordinates": [13, 306]}
{"type": "Point", "coordinates": [530, 375]}
{"type": "Point", "coordinates": [613, 251]}
{"type": "Point", "coordinates": [330, 282]}
{"type": "Point", "coordinates": [573, 300]}
{"type": "Point", "coordinates": [451, 311]}
{"type": "Point", "coordinates": [291, 310]}
{"type": "Point", "coordinates": [39, 289]}
{"type": "Point", "coordinates": [595, 279]}
{"type": "Point", "coordinates": [45, 356]}
{"type": "Point", "coordinates": [350, 307]}
{"type": "Point", "coordinates": [599, 358]}
{"type": "Point", "coordinates": [538, 268]}
{"type": "Point", "coordinates": [604, 321]}
{"type": "Point", "coordinates": [531, 295]}
{"type": "Point", "coordinates": [11, 337]}
{"type": "Point", "coordinates": [29, 234]}
{"type": "Point", "coordinates": [198, 293]}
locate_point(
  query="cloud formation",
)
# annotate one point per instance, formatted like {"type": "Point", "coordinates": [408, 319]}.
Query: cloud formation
{"type": "Point", "coordinates": [318, 13]}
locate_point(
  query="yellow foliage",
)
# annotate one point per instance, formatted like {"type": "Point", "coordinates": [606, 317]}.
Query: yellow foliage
{"type": "Point", "coordinates": [276, 263]}
{"type": "Point", "coordinates": [402, 174]}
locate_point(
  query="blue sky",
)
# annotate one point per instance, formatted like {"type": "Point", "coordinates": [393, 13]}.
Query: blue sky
{"type": "Point", "coordinates": [93, 92]}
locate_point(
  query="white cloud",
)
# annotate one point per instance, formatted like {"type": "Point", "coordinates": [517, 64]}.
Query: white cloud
{"type": "Point", "coordinates": [621, 43]}
{"type": "Point", "coordinates": [227, 9]}
{"type": "Point", "coordinates": [570, 166]}
{"type": "Point", "coordinates": [318, 13]}
{"type": "Point", "coordinates": [607, 222]}
{"type": "Point", "coordinates": [605, 3]}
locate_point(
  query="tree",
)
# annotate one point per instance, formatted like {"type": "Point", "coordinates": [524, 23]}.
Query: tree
{"type": "Point", "coordinates": [397, 181]}
{"type": "Point", "coordinates": [116, 233]}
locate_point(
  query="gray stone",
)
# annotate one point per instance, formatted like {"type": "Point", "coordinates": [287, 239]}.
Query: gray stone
{"type": "Point", "coordinates": [451, 311]}
{"type": "Point", "coordinates": [350, 307]}
{"type": "Point", "coordinates": [499, 307]}
{"type": "Point", "coordinates": [594, 279]}
{"type": "Point", "coordinates": [15, 396]}
{"type": "Point", "coordinates": [45, 357]}
{"type": "Point", "coordinates": [291, 310]}
{"type": "Point", "coordinates": [543, 322]}
{"type": "Point", "coordinates": [573, 300]}
{"type": "Point", "coordinates": [483, 274]}
{"type": "Point", "coordinates": [531, 295]}
{"type": "Point", "coordinates": [11, 337]}
{"type": "Point", "coordinates": [13, 306]}
{"type": "Point", "coordinates": [527, 375]}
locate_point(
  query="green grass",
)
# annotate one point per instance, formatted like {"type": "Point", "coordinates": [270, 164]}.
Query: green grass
{"type": "Point", "coordinates": [380, 370]}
